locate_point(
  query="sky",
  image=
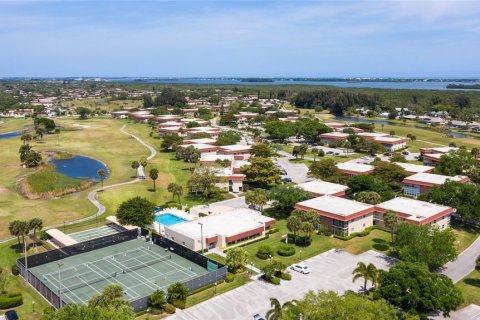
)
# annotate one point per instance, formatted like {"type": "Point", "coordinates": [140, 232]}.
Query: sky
{"type": "Point", "coordinates": [135, 38]}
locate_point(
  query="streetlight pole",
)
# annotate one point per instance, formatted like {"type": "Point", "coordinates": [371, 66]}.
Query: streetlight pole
{"type": "Point", "coordinates": [201, 234]}
{"type": "Point", "coordinates": [60, 265]}
{"type": "Point", "coordinates": [33, 306]}
{"type": "Point", "coordinates": [300, 255]}
{"type": "Point", "coordinates": [26, 254]}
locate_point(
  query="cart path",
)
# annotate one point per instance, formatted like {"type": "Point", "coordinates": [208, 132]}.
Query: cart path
{"type": "Point", "coordinates": [92, 195]}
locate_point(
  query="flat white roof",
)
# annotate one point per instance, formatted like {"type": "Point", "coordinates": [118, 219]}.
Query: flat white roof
{"type": "Point", "coordinates": [61, 237]}
{"type": "Point", "coordinates": [226, 224]}
{"type": "Point", "coordinates": [236, 147]}
{"type": "Point", "coordinates": [436, 156]}
{"type": "Point", "coordinates": [355, 166]}
{"type": "Point", "coordinates": [390, 139]}
{"type": "Point", "coordinates": [443, 149]}
{"type": "Point", "coordinates": [335, 134]}
{"type": "Point", "coordinates": [436, 179]}
{"type": "Point", "coordinates": [416, 168]}
{"type": "Point", "coordinates": [322, 187]}
{"type": "Point", "coordinates": [199, 146]}
{"type": "Point", "coordinates": [372, 134]}
{"type": "Point", "coordinates": [339, 206]}
{"type": "Point", "coordinates": [201, 141]}
{"type": "Point", "coordinates": [240, 163]}
{"type": "Point", "coordinates": [418, 210]}
{"type": "Point", "coordinates": [213, 157]}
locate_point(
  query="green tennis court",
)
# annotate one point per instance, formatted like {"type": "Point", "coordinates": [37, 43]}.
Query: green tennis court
{"type": "Point", "coordinates": [140, 267]}
{"type": "Point", "coordinates": [95, 233]}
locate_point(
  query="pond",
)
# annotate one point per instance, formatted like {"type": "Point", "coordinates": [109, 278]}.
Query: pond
{"type": "Point", "coordinates": [459, 135]}
{"type": "Point", "coordinates": [9, 135]}
{"type": "Point", "coordinates": [353, 119]}
{"type": "Point", "coordinates": [79, 167]}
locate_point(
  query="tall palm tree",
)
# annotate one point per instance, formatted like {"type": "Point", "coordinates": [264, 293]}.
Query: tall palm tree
{"type": "Point", "coordinates": [361, 271]}
{"type": "Point", "coordinates": [391, 221]}
{"type": "Point", "coordinates": [293, 225]}
{"type": "Point", "coordinates": [143, 162]}
{"type": "Point", "coordinates": [154, 176]}
{"type": "Point", "coordinates": [277, 309]}
{"type": "Point", "coordinates": [26, 137]}
{"type": "Point", "coordinates": [14, 229]}
{"type": "Point", "coordinates": [315, 152]}
{"type": "Point", "coordinates": [307, 228]}
{"type": "Point", "coordinates": [36, 224]}
{"type": "Point", "coordinates": [135, 165]}
{"type": "Point", "coordinates": [24, 229]}
{"type": "Point", "coordinates": [347, 145]}
{"type": "Point", "coordinates": [101, 174]}
{"type": "Point", "coordinates": [373, 274]}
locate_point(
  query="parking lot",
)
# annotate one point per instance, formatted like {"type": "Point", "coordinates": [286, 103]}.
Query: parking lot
{"type": "Point", "coordinates": [331, 270]}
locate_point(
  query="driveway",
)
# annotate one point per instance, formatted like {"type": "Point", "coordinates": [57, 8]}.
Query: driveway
{"type": "Point", "coordinates": [331, 270]}
{"type": "Point", "coordinates": [464, 264]}
{"type": "Point", "coordinates": [296, 171]}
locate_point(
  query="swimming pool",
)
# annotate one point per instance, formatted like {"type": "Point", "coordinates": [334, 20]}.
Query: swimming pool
{"type": "Point", "coordinates": [168, 219]}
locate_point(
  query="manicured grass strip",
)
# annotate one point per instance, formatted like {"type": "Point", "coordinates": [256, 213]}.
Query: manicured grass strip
{"type": "Point", "coordinates": [470, 287]}
{"type": "Point", "coordinates": [240, 280]}
{"type": "Point", "coordinates": [47, 180]}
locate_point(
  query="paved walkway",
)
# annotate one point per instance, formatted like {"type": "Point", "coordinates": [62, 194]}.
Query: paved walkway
{"type": "Point", "coordinates": [331, 270]}
{"type": "Point", "coordinates": [464, 264]}
{"type": "Point", "coordinates": [92, 195]}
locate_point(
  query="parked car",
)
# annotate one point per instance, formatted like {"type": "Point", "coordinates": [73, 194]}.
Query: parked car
{"type": "Point", "coordinates": [287, 179]}
{"type": "Point", "coordinates": [283, 172]}
{"type": "Point", "coordinates": [337, 153]}
{"type": "Point", "coordinates": [258, 317]}
{"type": "Point", "coordinates": [405, 153]}
{"type": "Point", "coordinates": [300, 267]}
{"type": "Point", "coordinates": [329, 152]}
{"type": "Point", "coordinates": [11, 315]}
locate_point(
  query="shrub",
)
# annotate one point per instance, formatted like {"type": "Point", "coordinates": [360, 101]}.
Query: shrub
{"type": "Point", "coordinates": [272, 230]}
{"type": "Point", "coordinates": [264, 252]}
{"type": "Point", "coordinates": [324, 231]}
{"type": "Point", "coordinates": [170, 309]}
{"type": "Point", "coordinates": [363, 233]}
{"type": "Point", "coordinates": [275, 281]}
{"type": "Point", "coordinates": [15, 270]}
{"type": "Point", "coordinates": [201, 214]}
{"type": "Point", "coordinates": [10, 300]}
{"type": "Point", "coordinates": [44, 235]}
{"type": "Point", "coordinates": [179, 304]}
{"type": "Point", "coordinates": [286, 276]}
{"type": "Point", "coordinates": [48, 310]}
{"type": "Point", "coordinates": [286, 250]}
{"type": "Point", "coordinates": [173, 204]}
{"type": "Point", "coordinates": [157, 300]}
{"type": "Point", "coordinates": [230, 277]}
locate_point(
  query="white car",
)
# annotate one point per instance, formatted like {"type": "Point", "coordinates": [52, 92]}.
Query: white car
{"type": "Point", "coordinates": [300, 267]}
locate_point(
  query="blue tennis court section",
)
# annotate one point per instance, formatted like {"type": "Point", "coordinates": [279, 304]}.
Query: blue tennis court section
{"type": "Point", "coordinates": [95, 233]}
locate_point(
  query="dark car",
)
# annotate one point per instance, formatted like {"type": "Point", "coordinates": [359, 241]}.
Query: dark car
{"type": "Point", "coordinates": [286, 179]}
{"type": "Point", "coordinates": [11, 315]}
{"type": "Point", "coordinates": [258, 317]}
{"type": "Point", "coordinates": [329, 152]}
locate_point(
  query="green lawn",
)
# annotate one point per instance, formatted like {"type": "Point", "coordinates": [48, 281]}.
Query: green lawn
{"type": "Point", "coordinates": [466, 235]}
{"type": "Point", "coordinates": [470, 287]}
{"type": "Point", "coordinates": [8, 256]}
{"type": "Point", "coordinates": [377, 240]}
{"type": "Point", "coordinates": [46, 179]}
{"type": "Point", "coordinates": [104, 104]}
{"type": "Point", "coordinates": [240, 280]}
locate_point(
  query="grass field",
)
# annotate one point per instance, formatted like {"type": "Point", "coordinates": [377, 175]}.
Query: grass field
{"type": "Point", "coordinates": [376, 240]}
{"type": "Point", "coordinates": [470, 287]}
{"type": "Point", "coordinates": [100, 139]}
{"type": "Point", "coordinates": [46, 179]}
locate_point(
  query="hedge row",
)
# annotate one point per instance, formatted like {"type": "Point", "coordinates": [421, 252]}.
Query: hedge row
{"type": "Point", "coordinates": [205, 287]}
{"type": "Point", "coordinates": [11, 300]}
{"type": "Point", "coordinates": [363, 233]}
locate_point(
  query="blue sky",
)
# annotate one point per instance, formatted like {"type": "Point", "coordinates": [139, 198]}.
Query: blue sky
{"type": "Point", "coordinates": [240, 38]}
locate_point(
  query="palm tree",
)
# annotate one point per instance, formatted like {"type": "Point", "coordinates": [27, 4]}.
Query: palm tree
{"type": "Point", "coordinates": [24, 229]}
{"type": "Point", "coordinates": [307, 228]}
{"type": "Point", "coordinates": [347, 145]}
{"type": "Point", "coordinates": [373, 274]}
{"type": "Point", "coordinates": [26, 137]}
{"type": "Point", "coordinates": [154, 176]}
{"type": "Point", "coordinates": [14, 229]}
{"type": "Point", "coordinates": [293, 225]}
{"type": "Point", "coordinates": [101, 173]}
{"type": "Point", "coordinates": [143, 162]}
{"type": "Point", "coordinates": [315, 152]}
{"type": "Point", "coordinates": [361, 271]}
{"type": "Point", "coordinates": [391, 221]}
{"type": "Point", "coordinates": [277, 308]}
{"type": "Point", "coordinates": [135, 165]}
{"type": "Point", "coordinates": [35, 224]}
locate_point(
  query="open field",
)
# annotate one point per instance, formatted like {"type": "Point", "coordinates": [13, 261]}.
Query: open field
{"type": "Point", "coordinates": [104, 104]}
{"type": "Point", "coordinates": [98, 138]}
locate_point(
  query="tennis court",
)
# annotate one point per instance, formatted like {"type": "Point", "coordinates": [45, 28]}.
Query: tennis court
{"type": "Point", "coordinates": [139, 266]}
{"type": "Point", "coordinates": [94, 233]}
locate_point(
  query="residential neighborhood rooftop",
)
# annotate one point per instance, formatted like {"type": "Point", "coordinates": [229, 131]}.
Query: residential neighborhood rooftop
{"type": "Point", "coordinates": [335, 205]}
{"type": "Point", "coordinates": [414, 168]}
{"type": "Point", "coordinates": [414, 210]}
{"type": "Point", "coordinates": [433, 179]}
{"type": "Point", "coordinates": [319, 187]}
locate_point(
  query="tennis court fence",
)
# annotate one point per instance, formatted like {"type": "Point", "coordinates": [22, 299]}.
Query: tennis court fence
{"type": "Point", "coordinates": [217, 270]}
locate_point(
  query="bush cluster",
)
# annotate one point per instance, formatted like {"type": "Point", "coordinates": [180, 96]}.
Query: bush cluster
{"type": "Point", "coordinates": [286, 250]}
{"type": "Point", "coordinates": [230, 277]}
{"type": "Point", "coordinates": [264, 252]}
{"type": "Point", "coordinates": [272, 230]}
{"type": "Point", "coordinates": [275, 281]}
{"type": "Point", "coordinates": [323, 230]}
{"type": "Point", "coordinates": [363, 233]}
{"type": "Point", "coordinates": [11, 300]}
{"type": "Point", "coordinates": [15, 270]}
{"type": "Point", "coordinates": [170, 308]}
{"type": "Point", "coordinates": [286, 276]}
